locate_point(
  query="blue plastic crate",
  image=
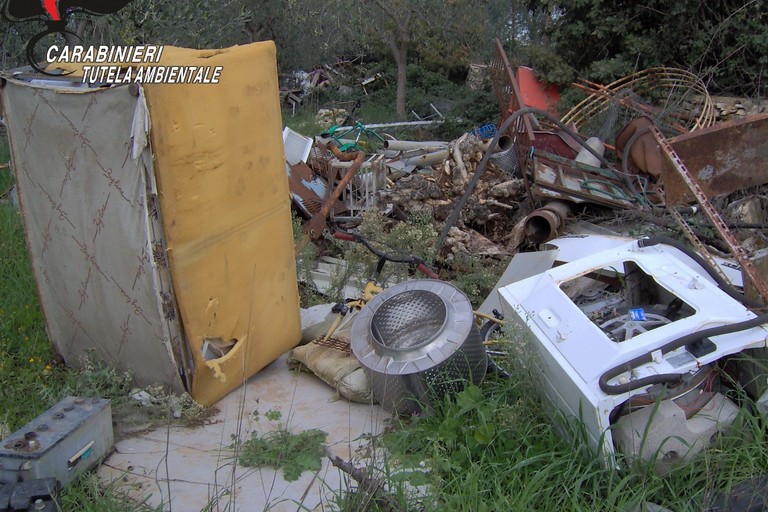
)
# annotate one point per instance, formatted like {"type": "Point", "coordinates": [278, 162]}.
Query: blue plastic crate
{"type": "Point", "coordinates": [484, 132]}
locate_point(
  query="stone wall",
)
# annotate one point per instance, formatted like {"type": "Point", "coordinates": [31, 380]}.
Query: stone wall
{"type": "Point", "coordinates": [727, 107]}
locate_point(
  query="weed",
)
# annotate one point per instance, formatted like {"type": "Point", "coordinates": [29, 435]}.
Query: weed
{"type": "Point", "coordinates": [88, 494]}
{"type": "Point", "coordinates": [281, 448]}
{"type": "Point", "coordinates": [416, 237]}
{"type": "Point", "coordinates": [304, 121]}
{"type": "Point", "coordinates": [27, 372]}
{"type": "Point", "coordinates": [306, 257]}
{"type": "Point", "coordinates": [475, 276]}
{"type": "Point", "coordinates": [6, 177]}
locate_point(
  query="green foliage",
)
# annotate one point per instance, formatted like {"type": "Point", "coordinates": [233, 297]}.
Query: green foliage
{"type": "Point", "coordinates": [475, 276]}
{"type": "Point", "coordinates": [306, 257]}
{"type": "Point", "coordinates": [27, 373]}
{"type": "Point", "coordinates": [549, 67]}
{"type": "Point", "coordinates": [472, 110]}
{"type": "Point", "coordinates": [725, 41]}
{"type": "Point", "coordinates": [94, 378]}
{"type": "Point", "coordinates": [494, 448]}
{"type": "Point", "coordinates": [280, 448]}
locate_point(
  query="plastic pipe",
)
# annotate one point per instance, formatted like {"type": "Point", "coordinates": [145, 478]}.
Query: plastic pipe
{"type": "Point", "coordinates": [405, 145]}
{"type": "Point", "coordinates": [505, 143]}
{"type": "Point", "coordinates": [428, 159]}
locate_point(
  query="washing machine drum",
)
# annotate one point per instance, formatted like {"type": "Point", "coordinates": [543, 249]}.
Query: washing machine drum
{"type": "Point", "coordinates": [418, 342]}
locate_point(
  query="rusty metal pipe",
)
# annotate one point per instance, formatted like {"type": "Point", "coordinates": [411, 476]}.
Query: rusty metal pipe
{"type": "Point", "coordinates": [344, 157]}
{"type": "Point", "coordinates": [544, 224]}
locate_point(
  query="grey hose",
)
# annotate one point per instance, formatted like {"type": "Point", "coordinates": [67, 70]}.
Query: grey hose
{"type": "Point", "coordinates": [617, 389]}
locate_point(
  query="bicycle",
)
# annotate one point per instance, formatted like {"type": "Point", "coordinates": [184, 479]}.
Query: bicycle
{"type": "Point", "coordinates": [347, 138]}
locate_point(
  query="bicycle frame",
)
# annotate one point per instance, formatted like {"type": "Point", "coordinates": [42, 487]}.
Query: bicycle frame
{"type": "Point", "coordinates": [342, 135]}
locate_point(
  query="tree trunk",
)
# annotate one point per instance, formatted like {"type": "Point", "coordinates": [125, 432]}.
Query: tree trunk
{"type": "Point", "coordinates": [398, 42]}
{"type": "Point", "coordinates": [401, 59]}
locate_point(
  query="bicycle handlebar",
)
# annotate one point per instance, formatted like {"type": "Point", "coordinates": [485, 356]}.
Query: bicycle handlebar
{"type": "Point", "coordinates": [411, 259]}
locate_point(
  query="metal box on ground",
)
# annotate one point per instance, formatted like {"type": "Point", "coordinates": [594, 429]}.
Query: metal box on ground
{"type": "Point", "coordinates": [69, 438]}
{"type": "Point", "coordinates": [36, 495]}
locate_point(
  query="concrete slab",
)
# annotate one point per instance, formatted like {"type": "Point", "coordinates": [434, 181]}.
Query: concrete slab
{"type": "Point", "coordinates": [195, 469]}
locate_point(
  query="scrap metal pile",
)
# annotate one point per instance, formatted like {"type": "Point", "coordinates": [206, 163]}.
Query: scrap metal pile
{"type": "Point", "coordinates": [647, 145]}
{"type": "Point", "coordinates": [619, 323]}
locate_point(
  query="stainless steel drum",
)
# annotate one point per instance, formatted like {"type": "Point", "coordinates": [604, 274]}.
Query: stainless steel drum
{"type": "Point", "coordinates": [418, 341]}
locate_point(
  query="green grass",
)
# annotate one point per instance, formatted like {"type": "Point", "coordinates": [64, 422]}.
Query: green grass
{"type": "Point", "coordinates": [27, 374]}
{"type": "Point", "coordinates": [494, 448]}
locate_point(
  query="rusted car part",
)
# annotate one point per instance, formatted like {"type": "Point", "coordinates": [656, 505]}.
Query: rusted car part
{"type": "Point", "coordinates": [620, 328]}
{"type": "Point", "coordinates": [317, 224]}
{"type": "Point", "coordinates": [547, 222]}
{"type": "Point", "coordinates": [720, 226]}
{"type": "Point", "coordinates": [724, 158]}
{"type": "Point", "coordinates": [682, 91]}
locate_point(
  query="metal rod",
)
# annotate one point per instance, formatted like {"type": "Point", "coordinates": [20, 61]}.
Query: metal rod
{"type": "Point", "coordinates": [714, 217]}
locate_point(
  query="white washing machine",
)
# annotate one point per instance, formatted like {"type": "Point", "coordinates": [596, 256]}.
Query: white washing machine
{"type": "Point", "coordinates": [613, 329]}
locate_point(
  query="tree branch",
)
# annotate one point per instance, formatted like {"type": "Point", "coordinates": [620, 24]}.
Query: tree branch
{"type": "Point", "coordinates": [372, 486]}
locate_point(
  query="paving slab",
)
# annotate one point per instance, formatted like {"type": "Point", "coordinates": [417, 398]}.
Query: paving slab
{"type": "Point", "coordinates": [191, 469]}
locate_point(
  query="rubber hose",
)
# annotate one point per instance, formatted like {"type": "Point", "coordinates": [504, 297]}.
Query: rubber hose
{"type": "Point", "coordinates": [625, 159]}
{"type": "Point", "coordinates": [721, 283]}
{"type": "Point", "coordinates": [617, 389]}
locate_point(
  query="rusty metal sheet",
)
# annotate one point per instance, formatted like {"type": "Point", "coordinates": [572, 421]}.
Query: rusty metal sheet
{"type": "Point", "coordinates": [722, 159]}
{"type": "Point", "coordinates": [673, 159]}
{"type": "Point", "coordinates": [760, 264]}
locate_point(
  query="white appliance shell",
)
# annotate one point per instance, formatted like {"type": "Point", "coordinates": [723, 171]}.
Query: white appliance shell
{"type": "Point", "coordinates": [574, 352]}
